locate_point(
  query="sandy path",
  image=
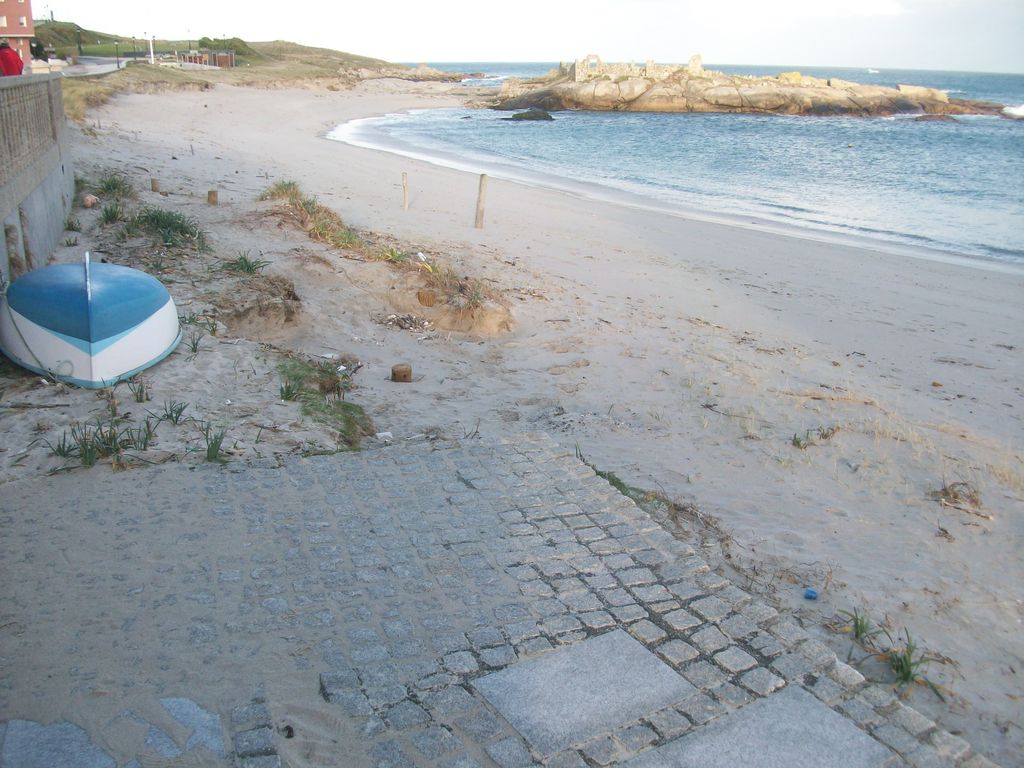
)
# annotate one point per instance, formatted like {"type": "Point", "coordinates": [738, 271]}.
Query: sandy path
{"type": "Point", "coordinates": [683, 355]}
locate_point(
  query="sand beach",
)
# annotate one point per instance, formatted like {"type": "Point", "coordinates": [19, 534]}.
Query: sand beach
{"type": "Point", "coordinates": [804, 402]}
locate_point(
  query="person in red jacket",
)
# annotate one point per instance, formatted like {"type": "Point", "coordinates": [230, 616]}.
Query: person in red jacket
{"type": "Point", "coordinates": [10, 61]}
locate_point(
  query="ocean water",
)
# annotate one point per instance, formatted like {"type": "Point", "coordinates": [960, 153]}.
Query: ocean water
{"type": "Point", "coordinates": [955, 187]}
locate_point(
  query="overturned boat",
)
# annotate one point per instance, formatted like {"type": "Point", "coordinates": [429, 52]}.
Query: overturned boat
{"type": "Point", "coordinates": [89, 324]}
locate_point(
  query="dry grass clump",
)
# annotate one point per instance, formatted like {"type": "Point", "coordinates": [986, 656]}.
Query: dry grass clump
{"type": "Point", "coordinates": [460, 293]}
{"type": "Point", "coordinates": [321, 224]}
{"type": "Point", "coordinates": [1009, 475]}
{"type": "Point", "coordinates": [325, 226]}
{"type": "Point", "coordinates": [960, 495]}
{"type": "Point", "coordinates": [442, 284]}
{"type": "Point", "coordinates": [81, 94]}
{"type": "Point", "coordinates": [467, 303]}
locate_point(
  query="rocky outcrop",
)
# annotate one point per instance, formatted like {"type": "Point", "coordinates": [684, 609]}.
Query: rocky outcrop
{"type": "Point", "coordinates": [920, 92]}
{"type": "Point", "coordinates": [693, 89]}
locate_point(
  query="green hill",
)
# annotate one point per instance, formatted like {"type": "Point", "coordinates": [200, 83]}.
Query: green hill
{"type": "Point", "coordinates": [65, 35]}
{"type": "Point", "coordinates": [288, 59]}
{"type": "Point", "coordinates": [261, 64]}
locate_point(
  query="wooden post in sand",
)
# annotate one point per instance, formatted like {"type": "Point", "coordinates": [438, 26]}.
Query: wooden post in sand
{"type": "Point", "coordinates": [405, 191]}
{"type": "Point", "coordinates": [211, 197]}
{"type": "Point", "coordinates": [154, 185]}
{"type": "Point", "coordinates": [481, 200]}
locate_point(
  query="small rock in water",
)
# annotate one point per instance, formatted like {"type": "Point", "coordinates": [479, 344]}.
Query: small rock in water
{"type": "Point", "coordinates": [531, 114]}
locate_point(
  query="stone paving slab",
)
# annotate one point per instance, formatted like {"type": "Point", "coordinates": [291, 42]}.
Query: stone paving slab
{"type": "Point", "coordinates": [28, 744]}
{"type": "Point", "coordinates": [791, 729]}
{"type": "Point", "coordinates": [578, 693]}
{"type": "Point", "coordinates": [385, 586]}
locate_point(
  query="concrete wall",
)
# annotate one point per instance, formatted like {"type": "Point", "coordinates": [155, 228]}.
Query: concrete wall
{"type": "Point", "coordinates": [37, 183]}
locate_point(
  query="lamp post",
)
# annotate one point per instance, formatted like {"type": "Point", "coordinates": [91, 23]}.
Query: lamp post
{"type": "Point", "coordinates": [117, 53]}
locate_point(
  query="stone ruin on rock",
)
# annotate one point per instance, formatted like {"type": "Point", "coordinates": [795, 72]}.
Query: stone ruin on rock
{"type": "Point", "coordinates": [592, 67]}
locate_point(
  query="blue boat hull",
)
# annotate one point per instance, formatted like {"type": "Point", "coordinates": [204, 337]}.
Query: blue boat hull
{"type": "Point", "coordinates": [91, 325]}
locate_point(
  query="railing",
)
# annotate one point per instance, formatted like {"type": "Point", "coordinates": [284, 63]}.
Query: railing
{"type": "Point", "coordinates": [36, 178]}
{"type": "Point", "coordinates": [31, 121]}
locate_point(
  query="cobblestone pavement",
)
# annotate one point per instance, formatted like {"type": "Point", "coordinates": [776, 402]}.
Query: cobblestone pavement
{"type": "Point", "coordinates": [352, 610]}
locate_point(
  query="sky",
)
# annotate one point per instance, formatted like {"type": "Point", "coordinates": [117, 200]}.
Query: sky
{"type": "Point", "coordinates": [970, 35]}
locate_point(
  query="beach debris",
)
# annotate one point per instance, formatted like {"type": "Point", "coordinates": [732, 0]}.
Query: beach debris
{"type": "Point", "coordinates": [385, 437]}
{"type": "Point", "coordinates": [90, 201]}
{"type": "Point", "coordinates": [211, 197]}
{"type": "Point", "coordinates": [407, 322]}
{"type": "Point", "coordinates": [810, 593]}
{"type": "Point", "coordinates": [154, 184]}
{"type": "Point", "coordinates": [401, 372]}
{"type": "Point", "coordinates": [960, 495]}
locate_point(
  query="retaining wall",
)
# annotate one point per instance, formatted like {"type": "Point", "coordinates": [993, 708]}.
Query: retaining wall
{"type": "Point", "coordinates": [37, 183]}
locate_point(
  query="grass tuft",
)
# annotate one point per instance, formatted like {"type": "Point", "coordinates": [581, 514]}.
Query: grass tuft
{"type": "Point", "coordinates": [245, 265]}
{"type": "Point", "coordinates": [290, 390]}
{"type": "Point", "coordinates": [860, 627]}
{"type": "Point", "coordinates": [904, 661]}
{"type": "Point", "coordinates": [320, 387]}
{"type": "Point", "coordinates": [111, 213]}
{"type": "Point", "coordinates": [104, 438]}
{"type": "Point", "coordinates": [194, 343]}
{"type": "Point", "coordinates": [813, 437]}
{"type": "Point", "coordinates": [115, 185]}
{"type": "Point", "coordinates": [85, 446]}
{"type": "Point", "coordinates": [281, 190]}
{"type": "Point", "coordinates": [214, 440]}
{"type": "Point", "coordinates": [170, 227]}
{"type": "Point", "coordinates": [174, 412]}
{"type": "Point", "coordinates": [393, 256]}
{"type": "Point", "coordinates": [65, 446]}
{"type": "Point", "coordinates": [139, 389]}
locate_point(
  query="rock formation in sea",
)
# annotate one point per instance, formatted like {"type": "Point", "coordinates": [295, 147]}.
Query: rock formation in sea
{"type": "Point", "coordinates": [691, 88]}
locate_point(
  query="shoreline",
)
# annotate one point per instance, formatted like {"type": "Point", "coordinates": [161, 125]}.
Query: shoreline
{"type": "Point", "coordinates": [595, 191]}
{"type": "Point", "coordinates": [682, 355]}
